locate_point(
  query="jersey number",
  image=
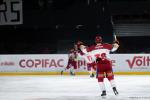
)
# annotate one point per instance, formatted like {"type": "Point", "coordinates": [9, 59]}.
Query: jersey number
{"type": "Point", "coordinates": [102, 55]}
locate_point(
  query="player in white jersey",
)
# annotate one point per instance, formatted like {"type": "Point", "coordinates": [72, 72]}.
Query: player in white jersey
{"type": "Point", "coordinates": [100, 54]}
{"type": "Point", "coordinates": [90, 63]}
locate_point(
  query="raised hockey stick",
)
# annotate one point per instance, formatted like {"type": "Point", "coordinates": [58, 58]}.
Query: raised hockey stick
{"type": "Point", "coordinates": [115, 40]}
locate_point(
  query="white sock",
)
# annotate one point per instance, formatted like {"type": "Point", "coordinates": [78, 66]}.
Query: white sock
{"type": "Point", "coordinates": [102, 86]}
{"type": "Point", "coordinates": [113, 84]}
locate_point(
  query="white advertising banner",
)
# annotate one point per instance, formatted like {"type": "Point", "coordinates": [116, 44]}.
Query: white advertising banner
{"type": "Point", "coordinates": [31, 63]}
{"type": "Point", "coordinates": [11, 12]}
{"type": "Point", "coordinates": [131, 62]}
{"type": "Point", "coordinates": [57, 62]}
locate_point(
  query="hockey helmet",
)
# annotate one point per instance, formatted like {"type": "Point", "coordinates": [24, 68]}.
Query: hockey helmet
{"type": "Point", "coordinates": [98, 39]}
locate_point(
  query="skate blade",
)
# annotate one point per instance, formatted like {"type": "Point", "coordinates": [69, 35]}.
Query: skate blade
{"type": "Point", "coordinates": [116, 94]}
{"type": "Point", "coordinates": [103, 97]}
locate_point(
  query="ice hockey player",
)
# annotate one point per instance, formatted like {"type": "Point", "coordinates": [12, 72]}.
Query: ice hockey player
{"type": "Point", "coordinates": [90, 63]}
{"type": "Point", "coordinates": [72, 63]}
{"type": "Point", "coordinates": [100, 52]}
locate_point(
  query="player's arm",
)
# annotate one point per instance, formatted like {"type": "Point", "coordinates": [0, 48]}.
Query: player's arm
{"type": "Point", "coordinates": [115, 47]}
{"type": "Point", "coordinates": [83, 49]}
{"type": "Point", "coordinates": [115, 43]}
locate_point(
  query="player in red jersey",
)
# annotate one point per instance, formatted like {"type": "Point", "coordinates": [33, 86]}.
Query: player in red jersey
{"type": "Point", "coordinates": [100, 54]}
{"type": "Point", "coordinates": [72, 62]}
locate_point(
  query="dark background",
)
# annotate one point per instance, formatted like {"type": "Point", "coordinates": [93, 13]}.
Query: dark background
{"type": "Point", "coordinates": [52, 26]}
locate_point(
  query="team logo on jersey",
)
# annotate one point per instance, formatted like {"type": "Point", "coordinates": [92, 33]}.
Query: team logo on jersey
{"type": "Point", "coordinates": [99, 46]}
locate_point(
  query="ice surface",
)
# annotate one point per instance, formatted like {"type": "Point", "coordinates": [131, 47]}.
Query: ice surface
{"type": "Point", "coordinates": [72, 88]}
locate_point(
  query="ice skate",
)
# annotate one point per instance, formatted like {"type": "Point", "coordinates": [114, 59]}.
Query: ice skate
{"type": "Point", "coordinates": [103, 93]}
{"type": "Point", "coordinates": [62, 72]}
{"type": "Point", "coordinates": [71, 73]}
{"type": "Point", "coordinates": [115, 91]}
{"type": "Point", "coordinates": [92, 75]}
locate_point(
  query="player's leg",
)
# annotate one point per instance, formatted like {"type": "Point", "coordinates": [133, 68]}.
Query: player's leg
{"type": "Point", "coordinates": [100, 77]}
{"type": "Point", "coordinates": [73, 67]}
{"type": "Point", "coordinates": [62, 71]}
{"type": "Point", "coordinates": [110, 77]}
{"type": "Point", "coordinates": [90, 70]}
{"type": "Point", "coordinates": [93, 69]}
{"type": "Point", "coordinates": [66, 68]}
{"type": "Point", "coordinates": [72, 71]}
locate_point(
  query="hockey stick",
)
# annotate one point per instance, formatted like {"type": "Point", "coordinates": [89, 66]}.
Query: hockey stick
{"type": "Point", "coordinates": [115, 40]}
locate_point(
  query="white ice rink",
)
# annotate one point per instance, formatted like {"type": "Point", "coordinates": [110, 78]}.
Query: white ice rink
{"type": "Point", "coordinates": [72, 88]}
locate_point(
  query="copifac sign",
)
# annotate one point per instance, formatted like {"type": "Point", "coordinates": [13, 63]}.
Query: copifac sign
{"type": "Point", "coordinates": [11, 12]}
{"type": "Point", "coordinates": [44, 63]}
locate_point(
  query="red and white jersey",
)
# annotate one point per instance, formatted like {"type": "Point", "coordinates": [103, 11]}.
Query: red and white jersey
{"type": "Point", "coordinates": [96, 51]}
{"type": "Point", "coordinates": [100, 51]}
{"type": "Point", "coordinates": [90, 54]}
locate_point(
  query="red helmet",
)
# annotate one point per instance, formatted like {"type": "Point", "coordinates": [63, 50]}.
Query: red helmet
{"type": "Point", "coordinates": [98, 39]}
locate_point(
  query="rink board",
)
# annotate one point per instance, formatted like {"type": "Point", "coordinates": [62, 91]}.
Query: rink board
{"type": "Point", "coordinates": [52, 64]}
